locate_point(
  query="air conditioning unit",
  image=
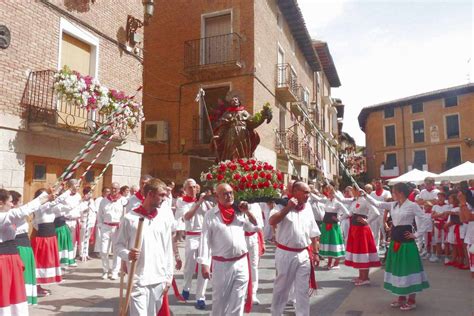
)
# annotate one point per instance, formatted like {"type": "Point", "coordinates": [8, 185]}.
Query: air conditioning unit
{"type": "Point", "coordinates": [156, 131]}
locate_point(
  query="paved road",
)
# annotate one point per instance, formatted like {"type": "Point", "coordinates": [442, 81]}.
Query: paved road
{"type": "Point", "coordinates": [452, 293]}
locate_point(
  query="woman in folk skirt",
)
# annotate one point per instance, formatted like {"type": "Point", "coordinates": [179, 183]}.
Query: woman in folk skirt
{"type": "Point", "coordinates": [64, 230]}
{"type": "Point", "coordinates": [331, 240]}
{"type": "Point", "coordinates": [361, 252]}
{"type": "Point", "coordinates": [12, 283]}
{"type": "Point", "coordinates": [45, 244]}
{"type": "Point", "coordinates": [26, 253]}
{"type": "Point", "coordinates": [404, 274]}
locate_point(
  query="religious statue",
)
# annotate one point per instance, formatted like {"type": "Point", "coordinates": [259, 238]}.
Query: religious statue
{"type": "Point", "coordinates": [234, 133]}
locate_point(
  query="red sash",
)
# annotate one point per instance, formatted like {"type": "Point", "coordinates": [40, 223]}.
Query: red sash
{"type": "Point", "coordinates": [261, 249]}
{"type": "Point", "coordinates": [312, 279]}
{"type": "Point", "coordinates": [439, 224]}
{"type": "Point", "coordinates": [457, 233]}
{"type": "Point", "coordinates": [193, 233]}
{"type": "Point", "coordinates": [248, 300]}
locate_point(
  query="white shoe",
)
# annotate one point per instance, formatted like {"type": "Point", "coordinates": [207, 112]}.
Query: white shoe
{"type": "Point", "coordinates": [434, 258]}
{"type": "Point", "coordinates": [114, 276]}
{"type": "Point", "coordinates": [255, 301]}
{"type": "Point", "coordinates": [446, 260]}
{"type": "Point", "coordinates": [105, 276]}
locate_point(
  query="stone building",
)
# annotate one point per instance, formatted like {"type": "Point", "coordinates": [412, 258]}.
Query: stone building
{"type": "Point", "coordinates": [39, 133]}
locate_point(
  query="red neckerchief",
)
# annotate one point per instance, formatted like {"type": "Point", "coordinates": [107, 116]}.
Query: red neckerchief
{"type": "Point", "coordinates": [441, 203]}
{"type": "Point", "coordinates": [299, 207]}
{"type": "Point", "coordinates": [140, 196]}
{"type": "Point", "coordinates": [115, 198]}
{"type": "Point", "coordinates": [471, 188]}
{"type": "Point", "coordinates": [411, 196]}
{"type": "Point", "coordinates": [326, 194]}
{"type": "Point", "coordinates": [143, 212]}
{"type": "Point", "coordinates": [235, 109]}
{"type": "Point", "coordinates": [227, 214]}
{"type": "Point", "coordinates": [189, 199]}
{"type": "Point", "coordinates": [357, 205]}
{"type": "Point", "coordinates": [379, 192]}
{"type": "Point", "coordinates": [289, 196]}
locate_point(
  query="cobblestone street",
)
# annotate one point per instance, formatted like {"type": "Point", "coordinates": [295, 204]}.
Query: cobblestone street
{"type": "Point", "coordinates": [451, 293]}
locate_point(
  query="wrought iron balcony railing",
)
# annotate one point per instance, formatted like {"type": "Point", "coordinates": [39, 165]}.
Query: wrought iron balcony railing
{"type": "Point", "coordinates": [212, 51]}
{"type": "Point", "coordinates": [42, 106]}
{"type": "Point", "coordinates": [287, 88]}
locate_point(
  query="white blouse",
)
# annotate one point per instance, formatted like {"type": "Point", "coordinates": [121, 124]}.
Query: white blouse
{"type": "Point", "coordinates": [362, 207]}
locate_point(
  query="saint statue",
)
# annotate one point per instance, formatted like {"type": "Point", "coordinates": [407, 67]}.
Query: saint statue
{"type": "Point", "coordinates": [234, 133]}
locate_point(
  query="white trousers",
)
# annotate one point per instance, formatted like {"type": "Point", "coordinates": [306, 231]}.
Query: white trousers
{"type": "Point", "coordinates": [345, 223]}
{"type": "Point", "coordinates": [108, 237]}
{"type": "Point", "coordinates": [191, 252]}
{"type": "Point", "coordinates": [146, 300]}
{"type": "Point", "coordinates": [375, 227]}
{"type": "Point", "coordinates": [291, 267]}
{"type": "Point", "coordinates": [229, 287]}
{"type": "Point", "coordinates": [84, 242]}
{"type": "Point", "coordinates": [252, 246]}
{"type": "Point", "coordinates": [267, 228]}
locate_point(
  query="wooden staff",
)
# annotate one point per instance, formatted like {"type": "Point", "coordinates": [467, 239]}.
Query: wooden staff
{"type": "Point", "coordinates": [133, 266]}
{"type": "Point", "coordinates": [122, 279]}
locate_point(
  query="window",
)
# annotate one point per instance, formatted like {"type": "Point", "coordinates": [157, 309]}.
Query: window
{"type": "Point", "coordinates": [453, 157]}
{"type": "Point", "coordinates": [417, 108]}
{"type": "Point", "coordinates": [419, 159]}
{"type": "Point", "coordinates": [452, 126]}
{"type": "Point", "coordinates": [451, 101]}
{"type": "Point", "coordinates": [389, 112]}
{"type": "Point", "coordinates": [390, 161]}
{"type": "Point", "coordinates": [389, 135]}
{"type": "Point", "coordinates": [279, 21]}
{"type": "Point", "coordinates": [418, 131]}
{"type": "Point", "coordinates": [39, 172]}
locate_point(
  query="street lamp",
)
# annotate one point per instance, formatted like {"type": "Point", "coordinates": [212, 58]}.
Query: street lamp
{"type": "Point", "coordinates": [149, 7]}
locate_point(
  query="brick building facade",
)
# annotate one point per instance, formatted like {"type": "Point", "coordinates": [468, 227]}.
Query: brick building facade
{"type": "Point", "coordinates": [260, 49]}
{"type": "Point", "coordinates": [431, 131]}
{"type": "Point", "coordinates": [39, 135]}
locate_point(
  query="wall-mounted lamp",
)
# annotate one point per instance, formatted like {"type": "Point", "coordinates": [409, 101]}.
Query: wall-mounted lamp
{"type": "Point", "coordinates": [469, 141]}
{"type": "Point", "coordinates": [149, 7]}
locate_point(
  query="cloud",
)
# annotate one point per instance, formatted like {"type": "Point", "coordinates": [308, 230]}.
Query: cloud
{"type": "Point", "coordinates": [319, 14]}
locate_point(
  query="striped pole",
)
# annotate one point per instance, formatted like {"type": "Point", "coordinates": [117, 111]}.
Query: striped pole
{"type": "Point", "coordinates": [108, 164]}
{"type": "Point", "coordinates": [99, 153]}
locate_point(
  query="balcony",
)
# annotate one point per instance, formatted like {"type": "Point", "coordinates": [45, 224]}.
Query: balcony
{"type": "Point", "coordinates": [288, 140]}
{"type": "Point", "coordinates": [287, 88]}
{"type": "Point", "coordinates": [215, 53]}
{"type": "Point", "coordinates": [389, 173]}
{"type": "Point", "coordinates": [46, 113]}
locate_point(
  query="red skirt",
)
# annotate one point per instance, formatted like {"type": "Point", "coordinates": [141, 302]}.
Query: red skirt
{"type": "Point", "coordinates": [45, 250]}
{"type": "Point", "coordinates": [12, 284]}
{"type": "Point", "coordinates": [361, 252]}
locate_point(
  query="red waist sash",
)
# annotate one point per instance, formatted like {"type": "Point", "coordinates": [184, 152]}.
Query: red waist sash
{"type": "Point", "coordinates": [193, 233]}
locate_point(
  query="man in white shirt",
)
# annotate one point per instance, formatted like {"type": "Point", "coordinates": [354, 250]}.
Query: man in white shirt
{"type": "Point", "coordinates": [223, 236]}
{"type": "Point", "coordinates": [111, 210]}
{"type": "Point", "coordinates": [97, 244]}
{"type": "Point", "coordinates": [193, 211]}
{"type": "Point", "coordinates": [154, 267]}
{"type": "Point", "coordinates": [378, 225]}
{"type": "Point", "coordinates": [428, 194]}
{"type": "Point", "coordinates": [294, 258]}
{"type": "Point", "coordinates": [136, 199]}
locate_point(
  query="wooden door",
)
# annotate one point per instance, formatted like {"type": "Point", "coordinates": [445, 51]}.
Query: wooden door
{"type": "Point", "coordinates": [217, 42]}
{"type": "Point", "coordinates": [42, 172]}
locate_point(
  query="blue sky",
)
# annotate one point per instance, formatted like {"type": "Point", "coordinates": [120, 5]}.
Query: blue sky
{"type": "Point", "coordinates": [384, 50]}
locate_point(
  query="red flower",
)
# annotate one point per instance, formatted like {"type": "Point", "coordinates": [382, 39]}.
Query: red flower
{"type": "Point", "coordinates": [281, 186]}
{"type": "Point", "coordinates": [259, 168]}
{"type": "Point", "coordinates": [262, 174]}
{"type": "Point", "coordinates": [243, 179]}
{"type": "Point", "coordinates": [255, 175]}
{"type": "Point", "coordinates": [241, 161]}
{"type": "Point", "coordinates": [260, 185]}
{"type": "Point", "coordinates": [249, 177]}
{"type": "Point", "coordinates": [242, 186]}
{"type": "Point", "coordinates": [252, 161]}
{"type": "Point", "coordinates": [246, 168]}
{"type": "Point", "coordinates": [249, 184]}
{"type": "Point", "coordinates": [222, 168]}
{"type": "Point", "coordinates": [253, 168]}
{"type": "Point", "coordinates": [270, 167]}
{"type": "Point", "coordinates": [275, 186]}
{"type": "Point", "coordinates": [266, 184]}
{"type": "Point", "coordinates": [220, 177]}
{"type": "Point", "coordinates": [280, 176]}
{"type": "Point", "coordinates": [254, 187]}
{"type": "Point", "coordinates": [237, 176]}
{"type": "Point", "coordinates": [233, 167]}
{"type": "Point", "coordinates": [209, 176]}
{"type": "Point", "coordinates": [268, 176]}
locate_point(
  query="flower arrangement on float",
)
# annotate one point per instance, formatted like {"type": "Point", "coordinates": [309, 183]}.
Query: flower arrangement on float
{"type": "Point", "coordinates": [87, 93]}
{"type": "Point", "coordinates": [251, 179]}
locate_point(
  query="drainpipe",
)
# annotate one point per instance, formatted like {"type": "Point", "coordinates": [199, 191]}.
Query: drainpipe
{"type": "Point", "coordinates": [404, 140]}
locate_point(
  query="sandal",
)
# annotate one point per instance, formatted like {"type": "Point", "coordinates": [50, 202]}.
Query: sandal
{"type": "Point", "coordinates": [397, 304]}
{"type": "Point", "coordinates": [355, 280]}
{"type": "Point", "coordinates": [408, 306]}
{"type": "Point", "coordinates": [362, 283]}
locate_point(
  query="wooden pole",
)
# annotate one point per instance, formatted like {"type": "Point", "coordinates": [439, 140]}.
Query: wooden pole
{"type": "Point", "coordinates": [133, 267]}
{"type": "Point", "coordinates": [202, 102]}
{"type": "Point", "coordinates": [122, 279]}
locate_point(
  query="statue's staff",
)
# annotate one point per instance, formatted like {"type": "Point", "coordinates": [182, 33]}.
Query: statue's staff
{"type": "Point", "coordinates": [202, 103]}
